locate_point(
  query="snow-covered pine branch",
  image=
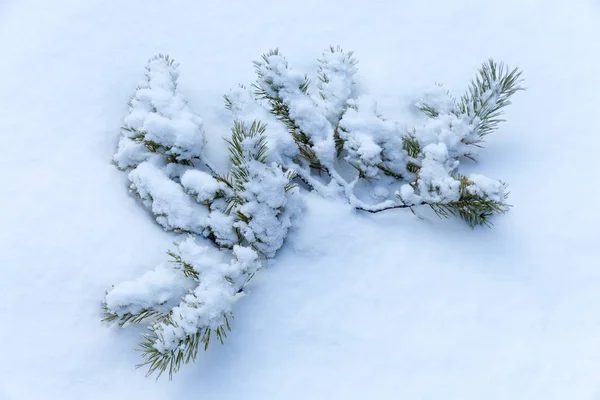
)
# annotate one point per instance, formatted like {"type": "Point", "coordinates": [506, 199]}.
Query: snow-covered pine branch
{"type": "Point", "coordinates": [452, 130]}
{"type": "Point", "coordinates": [462, 125]}
{"type": "Point", "coordinates": [488, 94]}
{"type": "Point", "coordinates": [393, 167]}
{"type": "Point", "coordinates": [174, 209]}
{"type": "Point", "coordinates": [333, 139]}
{"type": "Point", "coordinates": [159, 120]}
{"type": "Point", "coordinates": [473, 198]}
{"type": "Point", "coordinates": [151, 296]}
{"type": "Point", "coordinates": [204, 311]}
{"type": "Point", "coordinates": [259, 203]}
{"type": "Point", "coordinates": [246, 213]}
{"type": "Point", "coordinates": [264, 201]}
{"type": "Point", "coordinates": [184, 302]}
{"type": "Point", "coordinates": [336, 86]}
{"type": "Point", "coordinates": [371, 144]}
{"type": "Point", "coordinates": [286, 93]}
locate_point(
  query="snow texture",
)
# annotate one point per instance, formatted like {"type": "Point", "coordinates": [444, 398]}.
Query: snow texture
{"type": "Point", "coordinates": [435, 183]}
{"type": "Point", "coordinates": [201, 185]}
{"type": "Point", "coordinates": [457, 131]}
{"type": "Point", "coordinates": [174, 209]}
{"type": "Point", "coordinates": [371, 140]}
{"type": "Point", "coordinates": [277, 80]}
{"type": "Point", "coordinates": [269, 207]}
{"type": "Point", "coordinates": [413, 163]}
{"type": "Point", "coordinates": [210, 302]}
{"type": "Point", "coordinates": [159, 290]}
{"type": "Point", "coordinates": [336, 87]}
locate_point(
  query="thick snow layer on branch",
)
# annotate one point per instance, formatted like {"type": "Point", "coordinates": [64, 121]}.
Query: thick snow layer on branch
{"type": "Point", "coordinates": [267, 208]}
{"type": "Point", "coordinates": [245, 108]}
{"type": "Point", "coordinates": [156, 290]}
{"type": "Point", "coordinates": [201, 185]}
{"type": "Point", "coordinates": [210, 303]}
{"type": "Point", "coordinates": [207, 306]}
{"type": "Point", "coordinates": [336, 73]}
{"type": "Point", "coordinates": [159, 119]}
{"type": "Point", "coordinates": [221, 226]}
{"type": "Point", "coordinates": [279, 81]}
{"type": "Point", "coordinates": [371, 141]}
{"type": "Point", "coordinates": [174, 209]}
{"type": "Point", "coordinates": [444, 124]}
{"type": "Point", "coordinates": [434, 185]}
{"type": "Point", "coordinates": [487, 188]}
{"type": "Point", "coordinates": [437, 185]}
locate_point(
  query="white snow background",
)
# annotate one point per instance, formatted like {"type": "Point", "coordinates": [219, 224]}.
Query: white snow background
{"type": "Point", "coordinates": [356, 305]}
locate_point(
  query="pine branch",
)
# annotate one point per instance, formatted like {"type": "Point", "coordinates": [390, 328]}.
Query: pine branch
{"type": "Point", "coordinates": [131, 318]}
{"type": "Point", "coordinates": [176, 336]}
{"type": "Point", "coordinates": [472, 208]}
{"type": "Point", "coordinates": [412, 147]}
{"type": "Point", "coordinates": [241, 132]}
{"type": "Point", "coordinates": [186, 351]}
{"type": "Point", "coordinates": [336, 87]}
{"type": "Point", "coordinates": [347, 58]}
{"type": "Point", "coordinates": [240, 154]}
{"type": "Point", "coordinates": [247, 147]}
{"type": "Point", "coordinates": [339, 142]}
{"type": "Point", "coordinates": [266, 89]}
{"type": "Point", "coordinates": [488, 94]}
{"type": "Point", "coordinates": [394, 207]}
{"type": "Point", "coordinates": [186, 268]}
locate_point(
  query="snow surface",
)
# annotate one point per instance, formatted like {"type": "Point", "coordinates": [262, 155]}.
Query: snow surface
{"type": "Point", "coordinates": [381, 306]}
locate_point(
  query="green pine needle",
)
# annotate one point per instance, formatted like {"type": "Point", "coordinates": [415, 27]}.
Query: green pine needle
{"type": "Point", "coordinates": [472, 208]}
{"type": "Point", "coordinates": [412, 147]}
{"type": "Point", "coordinates": [281, 110]}
{"type": "Point", "coordinates": [129, 318]}
{"type": "Point", "coordinates": [488, 94]}
{"type": "Point", "coordinates": [186, 268]}
{"type": "Point", "coordinates": [186, 352]}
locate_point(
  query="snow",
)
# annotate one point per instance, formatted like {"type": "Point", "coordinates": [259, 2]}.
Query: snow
{"type": "Point", "coordinates": [206, 306]}
{"type": "Point", "coordinates": [159, 115]}
{"type": "Point", "coordinates": [368, 135]}
{"type": "Point", "coordinates": [245, 109]}
{"type": "Point", "coordinates": [268, 201]}
{"type": "Point", "coordinates": [355, 305]}
{"type": "Point", "coordinates": [277, 79]}
{"type": "Point", "coordinates": [160, 289]}
{"type": "Point", "coordinates": [267, 227]}
{"type": "Point", "coordinates": [173, 208]}
{"type": "Point", "coordinates": [336, 75]}
{"type": "Point", "coordinates": [201, 184]}
{"type": "Point", "coordinates": [486, 187]}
